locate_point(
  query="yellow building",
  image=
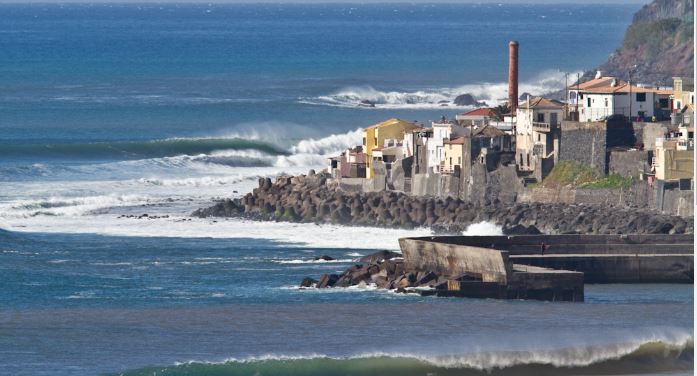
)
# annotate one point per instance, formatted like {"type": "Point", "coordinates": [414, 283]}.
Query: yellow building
{"type": "Point", "coordinates": [454, 155]}
{"type": "Point", "coordinates": [375, 136]}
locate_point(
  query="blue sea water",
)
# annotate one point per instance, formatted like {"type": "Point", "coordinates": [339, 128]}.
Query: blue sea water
{"type": "Point", "coordinates": [113, 110]}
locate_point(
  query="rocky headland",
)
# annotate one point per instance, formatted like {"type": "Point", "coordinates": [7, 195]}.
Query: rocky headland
{"type": "Point", "coordinates": [313, 198]}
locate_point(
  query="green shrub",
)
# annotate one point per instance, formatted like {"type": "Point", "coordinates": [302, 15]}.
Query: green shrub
{"type": "Point", "coordinates": [579, 175]}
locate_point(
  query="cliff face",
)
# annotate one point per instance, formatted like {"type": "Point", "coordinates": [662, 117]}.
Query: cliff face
{"type": "Point", "coordinates": [659, 42]}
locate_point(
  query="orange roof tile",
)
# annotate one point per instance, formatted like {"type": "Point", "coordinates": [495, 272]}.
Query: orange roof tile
{"type": "Point", "coordinates": [540, 102]}
{"type": "Point", "coordinates": [455, 141]}
{"type": "Point", "coordinates": [482, 111]}
{"type": "Point", "coordinates": [596, 83]}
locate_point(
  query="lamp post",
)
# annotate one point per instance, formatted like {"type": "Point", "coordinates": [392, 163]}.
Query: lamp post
{"type": "Point", "coordinates": [630, 92]}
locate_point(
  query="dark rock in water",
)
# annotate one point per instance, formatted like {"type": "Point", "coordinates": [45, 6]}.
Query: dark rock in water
{"type": "Point", "coordinates": [324, 258]}
{"type": "Point", "coordinates": [327, 280]}
{"type": "Point", "coordinates": [366, 103]}
{"type": "Point", "coordinates": [466, 100]}
{"type": "Point", "coordinates": [443, 102]}
{"type": "Point", "coordinates": [379, 256]}
{"type": "Point", "coordinates": [521, 230]}
{"type": "Point", "coordinates": [308, 282]}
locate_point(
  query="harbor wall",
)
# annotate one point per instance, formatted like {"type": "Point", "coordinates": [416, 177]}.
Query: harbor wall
{"type": "Point", "coordinates": [603, 258]}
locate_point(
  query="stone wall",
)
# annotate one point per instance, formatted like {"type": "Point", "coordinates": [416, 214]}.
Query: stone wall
{"type": "Point", "coordinates": [677, 202]}
{"type": "Point", "coordinates": [585, 143]}
{"type": "Point", "coordinates": [640, 195]}
{"type": "Point", "coordinates": [483, 188]}
{"type": "Point", "coordinates": [649, 133]}
{"type": "Point", "coordinates": [401, 170]}
{"type": "Point", "coordinates": [630, 163]}
{"type": "Point", "coordinates": [435, 185]}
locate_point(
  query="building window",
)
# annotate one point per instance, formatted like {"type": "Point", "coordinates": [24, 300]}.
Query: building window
{"type": "Point", "coordinates": [364, 144]}
{"type": "Point", "coordinates": [663, 102]}
{"type": "Point", "coordinates": [451, 161]}
{"type": "Point", "coordinates": [605, 102]}
{"type": "Point", "coordinates": [459, 160]}
{"type": "Point", "coordinates": [528, 160]}
{"type": "Point", "coordinates": [641, 97]}
{"type": "Point", "coordinates": [375, 141]}
{"type": "Point", "coordinates": [538, 137]}
{"type": "Point", "coordinates": [541, 117]}
{"type": "Point", "coordinates": [589, 102]}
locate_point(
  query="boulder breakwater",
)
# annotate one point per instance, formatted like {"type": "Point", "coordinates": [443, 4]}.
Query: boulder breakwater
{"type": "Point", "coordinates": [313, 198]}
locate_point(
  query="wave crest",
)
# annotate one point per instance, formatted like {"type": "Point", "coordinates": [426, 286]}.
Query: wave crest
{"type": "Point", "coordinates": [637, 357]}
{"type": "Point", "coordinates": [491, 93]}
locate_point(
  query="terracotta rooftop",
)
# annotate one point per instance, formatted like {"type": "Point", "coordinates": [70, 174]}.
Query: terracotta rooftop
{"type": "Point", "coordinates": [624, 88]}
{"type": "Point", "coordinates": [455, 141]}
{"type": "Point", "coordinates": [482, 111]}
{"type": "Point", "coordinates": [488, 131]}
{"type": "Point", "coordinates": [540, 102]}
{"type": "Point", "coordinates": [596, 83]}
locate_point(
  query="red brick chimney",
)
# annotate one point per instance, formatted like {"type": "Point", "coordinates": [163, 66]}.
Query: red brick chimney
{"type": "Point", "coordinates": [513, 75]}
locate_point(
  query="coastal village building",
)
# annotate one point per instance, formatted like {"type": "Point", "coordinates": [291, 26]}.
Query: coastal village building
{"type": "Point", "coordinates": [490, 146]}
{"type": "Point", "coordinates": [454, 156]}
{"type": "Point", "coordinates": [389, 153]}
{"type": "Point", "coordinates": [603, 97]}
{"type": "Point", "coordinates": [442, 131]}
{"type": "Point", "coordinates": [537, 136]}
{"type": "Point", "coordinates": [683, 93]}
{"type": "Point", "coordinates": [477, 117]}
{"type": "Point", "coordinates": [416, 145]}
{"type": "Point", "coordinates": [350, 164]}
{"type": "Point", "coordinates": [674, 156]}
{"type": "Point", "coordinates": [682, 101]}
{"type": "Point", "coordinates": [374, 137]}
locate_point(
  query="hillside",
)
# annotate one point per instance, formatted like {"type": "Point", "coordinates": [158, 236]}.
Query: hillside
{"type": "Point", "coordinates": [659, 42]}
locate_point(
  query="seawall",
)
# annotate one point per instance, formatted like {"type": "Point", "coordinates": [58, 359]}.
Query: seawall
{"type": "Point", "coordinates": [602, 258]}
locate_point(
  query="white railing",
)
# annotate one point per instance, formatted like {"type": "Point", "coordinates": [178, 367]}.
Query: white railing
{"type": "Point", "coordinates": [443, 169]}
{"type": "Point", "coordinates": [540, 126]}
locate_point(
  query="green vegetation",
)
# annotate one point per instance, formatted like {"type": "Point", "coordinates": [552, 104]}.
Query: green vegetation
{"type": "Point", "coordinates": [579, 175]}
{"type": "Point", "coordinates": [612, 181]}
{"type": "Point", "coordinates": [655, 36]}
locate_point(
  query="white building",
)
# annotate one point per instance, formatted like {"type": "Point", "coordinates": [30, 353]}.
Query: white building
{"type": "Point", "coordinates": [442, 130]}
{"type": "Point", "coordinates": [603, 97]}
{"type": "Point", "coordinates": [537, 120]}
{"type": "Point", "coordinates": [478, 117]}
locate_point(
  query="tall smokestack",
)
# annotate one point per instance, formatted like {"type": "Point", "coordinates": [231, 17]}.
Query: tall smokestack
{"type": "Point", "coordinates": [513, 75]}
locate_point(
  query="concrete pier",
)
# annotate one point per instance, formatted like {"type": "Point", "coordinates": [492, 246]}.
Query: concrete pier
{"type": "Point", "coordinates": [479, 272]}
{"type": "Point", "coordinates": [602, 258]}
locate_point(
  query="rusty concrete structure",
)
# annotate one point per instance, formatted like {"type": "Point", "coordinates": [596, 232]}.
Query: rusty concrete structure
{"type": "Point", "coordinates": [513, 75]}
{"type": "Point", "coordinates": [649, 258]}
{"type": "Point", "coordinates": [476, 271]}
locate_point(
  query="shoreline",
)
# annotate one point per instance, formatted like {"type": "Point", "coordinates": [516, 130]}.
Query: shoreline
{"type": "Point", "coordinates": [314, 198]}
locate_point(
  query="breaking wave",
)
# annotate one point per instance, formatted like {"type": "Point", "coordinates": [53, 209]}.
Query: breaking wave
{"type": "Point", "coordinates": [648, 356]}
{"type": "Point", "coordinates": [490, 93]}
{"type": "Point", "coordinates": [139, 149]}
{"type": "Point", "coordinates": [69, 206]}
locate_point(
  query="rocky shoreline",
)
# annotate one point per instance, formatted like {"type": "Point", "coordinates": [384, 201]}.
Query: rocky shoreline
{"type": "Point", "coordinates": [313, 198]}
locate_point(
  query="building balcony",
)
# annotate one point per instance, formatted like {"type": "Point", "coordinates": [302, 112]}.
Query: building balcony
{"type": "Point", "coordinates": [541, 127]}
{"type": "Point", "coordinates": [445, 169]}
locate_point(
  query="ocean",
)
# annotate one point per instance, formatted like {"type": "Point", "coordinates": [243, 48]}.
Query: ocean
{"type": "Point", "coordinates": [110, 111]}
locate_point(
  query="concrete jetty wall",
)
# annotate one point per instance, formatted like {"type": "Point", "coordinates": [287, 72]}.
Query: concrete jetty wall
{"type": "Point", "coordinates": [602, 258]}
{"type": "Point", "coordinates": [451, 260]}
